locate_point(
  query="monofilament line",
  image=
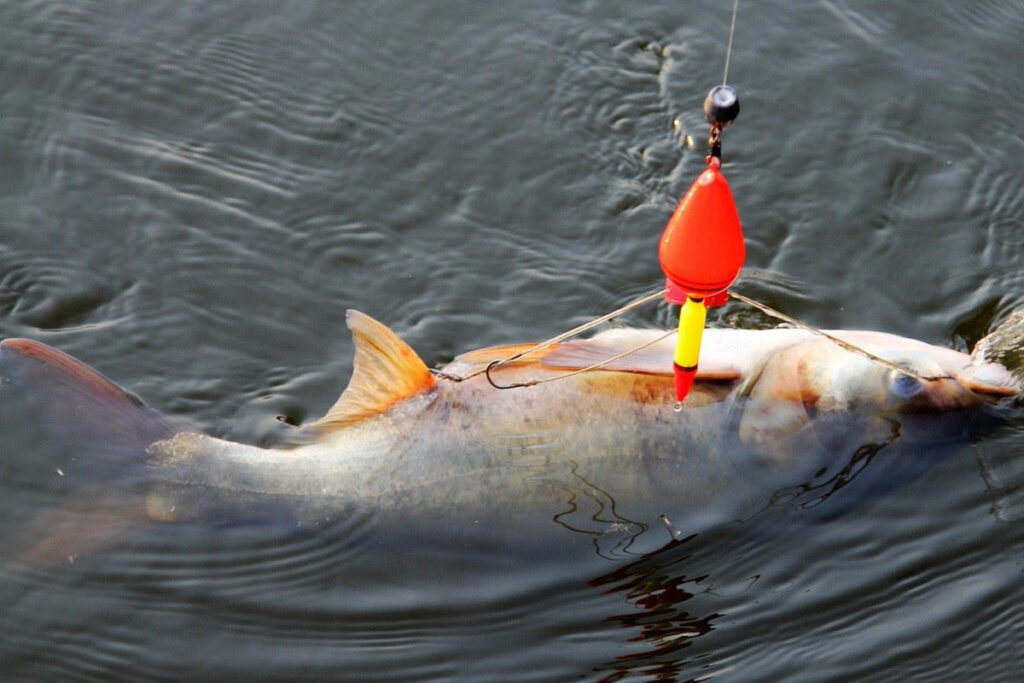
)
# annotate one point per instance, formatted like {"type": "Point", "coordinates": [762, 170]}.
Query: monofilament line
{"type": "Point", "coordinates": [728, 50]}
{"type": "Point", "coordinates": [493, 365]}
{"type": "Point", "coordinates": [853, 348]}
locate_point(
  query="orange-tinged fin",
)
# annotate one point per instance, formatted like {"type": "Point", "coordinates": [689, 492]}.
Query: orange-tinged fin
{"type": "Point", "coordinates": [991, 379]}
{"type": "Point", "coordinates": [67, 370]}
{"type": "Point", "coordinates": [98, 433]}
{"type": "Point", "coordinates": [385, 371]}
{"type": "Point", "coordinates": [652, 360]}
{"type": "Point", "coordinates": [84, 410]}
{"type": "Point", "coordinates": [493, 353]}
{"type": "Point", "coordinates": [473, 361]}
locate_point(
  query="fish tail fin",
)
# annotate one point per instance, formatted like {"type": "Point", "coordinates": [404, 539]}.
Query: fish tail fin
{"type": "Point", "coordinates": [85, 413]}
{"type": "Point", "coordinates": [91, 452]}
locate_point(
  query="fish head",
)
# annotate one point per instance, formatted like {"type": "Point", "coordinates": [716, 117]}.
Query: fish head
{"type": "Point", "coordinates": [917, 377]}
{"type": "Point", "coordinates": [814, 393]}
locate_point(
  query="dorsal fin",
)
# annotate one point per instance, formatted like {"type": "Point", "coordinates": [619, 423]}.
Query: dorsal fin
{"type": "Point", "coordinates": [385, 370]}
{"type": "Point", "coordinates": [651, 360]}
{"type": "Point", "coordinates": [474, 361]}
{"type": "Point", "coordinates": [491, 353]}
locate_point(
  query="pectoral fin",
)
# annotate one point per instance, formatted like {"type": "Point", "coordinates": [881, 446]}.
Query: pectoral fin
{"type": "Point", "coordinates": [385, 371]}
{"type": "Point", "coordinates": [769, 426]}
{"type": "Point", "coordinates": [990, 379]}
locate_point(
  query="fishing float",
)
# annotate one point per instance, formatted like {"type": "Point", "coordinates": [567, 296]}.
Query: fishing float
{"type": "Point", "coordinates": [702, 250]}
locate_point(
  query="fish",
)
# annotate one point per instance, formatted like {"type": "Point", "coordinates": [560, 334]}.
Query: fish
{"type": "Point", "coordinates": [602, 458]}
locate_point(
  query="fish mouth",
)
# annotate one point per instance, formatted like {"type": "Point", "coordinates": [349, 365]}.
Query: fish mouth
{"type": "Point", "coordinates": [944, 384]}
{"type": "Point", "coordinates": [945, 394]}
{"type": "Point", "coordinates": [991, 382]}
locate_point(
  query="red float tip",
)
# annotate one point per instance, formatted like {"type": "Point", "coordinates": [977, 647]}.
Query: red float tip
{"type": "Point", "coordinates": [675, 294]}
{"type": "Point", "coordinates": [684, 380]}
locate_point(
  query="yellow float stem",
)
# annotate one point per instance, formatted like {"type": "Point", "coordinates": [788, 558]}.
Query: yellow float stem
{"type": "Point", "coordinates": [692, 316]}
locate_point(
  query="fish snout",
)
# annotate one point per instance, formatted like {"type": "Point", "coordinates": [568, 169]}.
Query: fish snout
{"type": "Point", "coordinates": [952, 386]}
{"type": "Point", "coordinates": [932, 393]}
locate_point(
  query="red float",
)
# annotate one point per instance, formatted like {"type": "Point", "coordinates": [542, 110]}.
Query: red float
{"type": "Point", "coordinates": [701, 253]}
{"type": "Point", "coordinates": [702, 250]}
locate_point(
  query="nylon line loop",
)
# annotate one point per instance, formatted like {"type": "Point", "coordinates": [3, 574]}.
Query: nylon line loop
{"type": "Point", "coordinates": [490, 367]}
{"type": "Point", "coordinates": [653, 296]}
{"type": "Point", "coordinates": [594, 366]}
{"type": "Point", "coordinates": [852, 348]}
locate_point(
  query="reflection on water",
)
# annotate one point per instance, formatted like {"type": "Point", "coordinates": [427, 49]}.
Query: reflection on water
{"type": "Point", "coordinates": [612, 534]}
{"type": "Point", "coordinates": [655, 590]}
{"type": "Point", "coordinates": [340, 594]}
{"type": "Point", "coordinates": [825, 553]}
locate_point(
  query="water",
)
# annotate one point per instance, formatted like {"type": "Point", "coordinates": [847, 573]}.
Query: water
{"type": "Point", "coordinates": [192, 194]}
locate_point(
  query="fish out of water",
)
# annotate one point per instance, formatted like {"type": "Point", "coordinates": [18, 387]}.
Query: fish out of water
{"type": "Point", "coordinates": [602, 452]}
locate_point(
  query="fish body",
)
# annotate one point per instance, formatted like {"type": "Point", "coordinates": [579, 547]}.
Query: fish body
{"type": "Point", "coordinates": [588, 455]}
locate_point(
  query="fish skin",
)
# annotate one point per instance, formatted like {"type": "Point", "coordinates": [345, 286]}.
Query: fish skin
{"type": "Point", "coordinates": [583, 456]}
{"type": "Point", "coordinates": [467, 450]}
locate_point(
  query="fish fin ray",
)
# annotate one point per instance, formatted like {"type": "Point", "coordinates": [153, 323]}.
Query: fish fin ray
{"type": "Point", "coordinates": [493, 353]}
{"type": "Point", "coordinates": [95, 415]}
{"type": "Point", "coordinates": [385, 370]}
{"type": "Point", "coordinates": [98, 434]}
{"type": "Point", "coordinates": [990, 378]}
{"type": "Point", "coordinates": [473, 361]}
{"type": "Point", "coordinates": [90, 522]}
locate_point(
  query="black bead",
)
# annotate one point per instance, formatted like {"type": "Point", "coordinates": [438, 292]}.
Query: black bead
{"type": "Point", "coordinates": [721, 106]}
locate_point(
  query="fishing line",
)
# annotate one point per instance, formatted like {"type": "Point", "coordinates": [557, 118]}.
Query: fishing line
{"type": "Point", "coordinates": [728, 50]}
{"type": "Point", "coordinates": [764, 308]}
{"type": "Point", "coordinates": [841, 343]}
{"type": "Point", "coordinates": [714, 143]}
{"type": "Point", "coordinates": [653, 296]}
{"type": "Point", "coordinates": [594, 366]}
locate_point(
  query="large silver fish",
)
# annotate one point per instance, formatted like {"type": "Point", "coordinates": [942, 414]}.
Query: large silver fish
{"type": "Point", "coordinates": [600, 456]}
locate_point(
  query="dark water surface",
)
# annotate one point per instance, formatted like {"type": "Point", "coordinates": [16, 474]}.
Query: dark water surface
{"type": "Point", "coordinates": [191, 195]}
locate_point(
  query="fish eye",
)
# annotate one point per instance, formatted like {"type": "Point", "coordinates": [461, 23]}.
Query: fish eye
{"type": "Point", "coordinates": [906, 386]}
